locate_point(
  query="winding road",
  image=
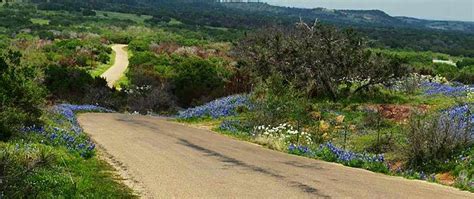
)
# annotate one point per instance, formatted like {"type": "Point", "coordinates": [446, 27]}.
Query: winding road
{"type": "Point", "coordinates": [172, 160]}
{"type": "Point", "coordinates": [115, 72]}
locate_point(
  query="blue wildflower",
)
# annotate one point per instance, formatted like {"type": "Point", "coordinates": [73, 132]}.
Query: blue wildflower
{"type": "Point", "coordinates": [221, 107]}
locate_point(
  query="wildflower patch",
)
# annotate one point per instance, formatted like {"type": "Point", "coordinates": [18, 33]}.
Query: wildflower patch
{"type": "Point", "coordinates": [65, 130]}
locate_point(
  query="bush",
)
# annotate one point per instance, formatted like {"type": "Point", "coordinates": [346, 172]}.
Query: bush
{"type": "Point", "coordinates": [446, 70]}
{"type": "Point", "coordinates": [465, 62]}
{"type": "Point", "coordinates": [139, 45]}
{"type": "Point", "coordinates": [276, 103]}
{"type": "Point", "coordinates": [22, 96]}
{"type": "Point", "coordinates": [466, 75]}
{"type": "Point", "coordinates": [196, 81]}
{"type": "Point", "coordinates": [433, 140]}
{"type": "Point", "coordinates": [103, 58]}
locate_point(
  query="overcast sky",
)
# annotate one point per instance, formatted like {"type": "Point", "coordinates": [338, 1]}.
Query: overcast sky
{"type": "Point", "coordinates": [425, 9]}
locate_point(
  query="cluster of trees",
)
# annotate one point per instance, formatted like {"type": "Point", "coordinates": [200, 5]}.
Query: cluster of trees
{"type": "Point", "coordinates": [87, 52]}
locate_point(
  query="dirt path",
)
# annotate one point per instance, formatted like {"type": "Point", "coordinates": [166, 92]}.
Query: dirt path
{"type": "Point", "coordinates": [113, 74]}
{"type": "Point", "coordinates": [173, 160]}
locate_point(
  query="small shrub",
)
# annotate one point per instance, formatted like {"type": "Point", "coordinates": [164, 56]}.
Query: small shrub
{"type": "Point", "coordinates": [446, 70]}
{"type": "Point", "coordinates": [433, 140]}
{"type": "Point", "coordinates": [466, 75]}
{"type": "Point", "coordinates": [276, 102]}
{"type": "Point", "coordinates": [465, 62]}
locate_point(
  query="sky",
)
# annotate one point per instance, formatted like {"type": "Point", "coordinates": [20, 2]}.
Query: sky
{"type": "Point", "coordinates": [460, 10]}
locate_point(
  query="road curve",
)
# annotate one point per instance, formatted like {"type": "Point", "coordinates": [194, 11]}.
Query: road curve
{"type": "Point", "coordinates": [113, 74]}
{"type": "Point", "coordinates": [175, 161]}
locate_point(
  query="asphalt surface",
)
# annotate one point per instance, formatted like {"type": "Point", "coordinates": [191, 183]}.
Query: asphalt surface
{"type": "Point", "coordinates": [173, 160]}
{"type": "Point", "coordinates": [113, 74]}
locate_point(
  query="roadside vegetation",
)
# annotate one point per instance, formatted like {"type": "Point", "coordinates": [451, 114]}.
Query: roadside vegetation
{"type": "Point", "coordinates": [318, 91]}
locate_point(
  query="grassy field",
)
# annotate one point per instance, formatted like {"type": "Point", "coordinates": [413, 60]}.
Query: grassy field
{"type": "Point", "coordinates": [123, 16]}
{"type": "Point", "coordinates": [40, 21]}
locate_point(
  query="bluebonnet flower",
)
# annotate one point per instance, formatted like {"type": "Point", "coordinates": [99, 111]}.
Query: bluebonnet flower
{"type": "Point", "coordinates": [347, 156]}
{"type": "Point", "coordinates": [221, 107]}
{"type": "Point", "coordinates": [459, 119]}
{"type": "Point", "coordinates": [81, 146]}
{"type": "Point", "coordinates": [33, 128]}
{"type": "Point", "coordinates": [291, 147]}
{"type": "Point", "coordinates": [53, 136]}
{"type": "Point", "coordinates": [91, 147]}
{"type": "Point", "coordinates": [73, 138]}
{"type": "Point", "coordinates": [303, 149]}
{"type": "Point", "coordinates": [433, 177]}
{"type": "Point", "coordinates": [434, 88]}
{"type": "Point", "coordinates": [422, 176]}
{"type": "Point", "coordinates": [300, 149]}
{"type": "Point", "coordinates": [68, 110]}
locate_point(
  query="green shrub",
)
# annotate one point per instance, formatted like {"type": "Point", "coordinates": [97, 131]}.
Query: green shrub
{"type": "Point", "coordinates": [446, 70]}
{"type": "Point", "coordinates": [140, 44]}
{"type": "Point", "coordinates": [466, 75]}
{"type": "Point", "coordinates": [277, 103]}
{"type": "Point", "coordinates": [196, 81]}
{"type": "Point", "coordinates": [103, 58]}
{"type": "Point", "coordinates": [67, 83]}
{"type": "Point", "coordinates": [21, 95]}
{"type": "Point", "coordinates": [432, 140]}
{"type": "Point", "coordinates": [465, 62]}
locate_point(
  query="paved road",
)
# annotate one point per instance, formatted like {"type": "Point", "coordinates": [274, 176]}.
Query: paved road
{"type": "Point", "coordinates": [173, 160]}
{"type": "Point", "coordinates": [113, 74]}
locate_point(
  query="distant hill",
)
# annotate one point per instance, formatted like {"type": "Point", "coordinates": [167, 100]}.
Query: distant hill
{"type": "Point", "coordinates": [440, 25]}
{"type": "Point", "coordinates": [355, 17]}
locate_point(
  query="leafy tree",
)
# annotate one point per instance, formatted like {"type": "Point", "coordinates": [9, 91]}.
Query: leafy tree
{"type": "Point", "coordinates": [195, 79]}
{"type": "Point", "coordinates": [20, 93]}
{"type": "Point", "coordinates": [318, 60]}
